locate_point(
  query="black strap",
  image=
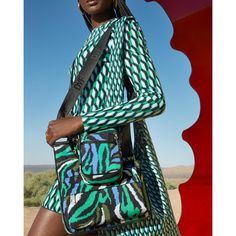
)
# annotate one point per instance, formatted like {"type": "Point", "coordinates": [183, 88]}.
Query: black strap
{"type": "Point", "coordinates": [84, 74]}
{"type": "Point", "coordinates": [126, 146]}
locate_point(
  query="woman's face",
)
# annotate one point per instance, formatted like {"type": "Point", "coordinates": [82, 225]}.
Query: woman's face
{"type": "Point", "coordinates": [93, 7]}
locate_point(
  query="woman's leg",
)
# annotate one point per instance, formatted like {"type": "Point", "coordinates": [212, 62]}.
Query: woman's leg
{"type": "Point", "coordinates": [49, 223]}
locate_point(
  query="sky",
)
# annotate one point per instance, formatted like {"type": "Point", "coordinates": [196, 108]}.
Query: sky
{"type": "Point", "coordinates": [54, 32]}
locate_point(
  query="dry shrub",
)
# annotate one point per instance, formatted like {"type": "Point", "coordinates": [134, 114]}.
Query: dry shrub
{"type": "Point", "coordinates": [36, 186]}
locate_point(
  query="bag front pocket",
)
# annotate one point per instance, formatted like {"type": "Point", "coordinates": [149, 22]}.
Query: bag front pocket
{"type": "Point", "coordinates": [119, 204]}
{"type": "Point", "coordinates": [100, 157]}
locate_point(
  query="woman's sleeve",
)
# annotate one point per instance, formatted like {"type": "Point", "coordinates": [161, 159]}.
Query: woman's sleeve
{"type": "Point", "coordinates": [139, 67]}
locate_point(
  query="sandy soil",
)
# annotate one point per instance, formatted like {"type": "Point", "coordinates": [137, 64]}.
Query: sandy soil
{"type": "Point", "coordinates": [31, 212]}
{"type": "Point", "coordinates": [29, 215]}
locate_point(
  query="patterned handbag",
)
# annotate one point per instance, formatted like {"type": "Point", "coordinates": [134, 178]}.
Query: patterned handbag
{"type": "Point", "coordinates": [99, 187]}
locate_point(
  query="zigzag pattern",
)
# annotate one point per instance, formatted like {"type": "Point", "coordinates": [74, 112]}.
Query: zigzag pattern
{"type": "Point", "coordinates": [126, 53]}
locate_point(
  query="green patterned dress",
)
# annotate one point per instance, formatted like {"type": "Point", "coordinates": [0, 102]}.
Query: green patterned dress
{"type": "Point", "coordinates": [103, 105]}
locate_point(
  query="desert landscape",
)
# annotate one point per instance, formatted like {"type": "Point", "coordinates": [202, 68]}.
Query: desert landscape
{"type": "Point", "coordinates": [173, 176]}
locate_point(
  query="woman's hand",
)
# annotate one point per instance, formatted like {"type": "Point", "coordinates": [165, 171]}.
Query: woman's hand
{"type": "Point", "coordinates": [63, 127]}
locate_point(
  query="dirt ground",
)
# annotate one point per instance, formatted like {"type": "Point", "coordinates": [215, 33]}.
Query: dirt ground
{"type": "Point", "coordinates": [30, 212]}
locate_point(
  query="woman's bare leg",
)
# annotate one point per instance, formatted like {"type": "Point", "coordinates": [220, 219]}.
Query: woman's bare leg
{"type": "Point", "coordinates": [49, 223]}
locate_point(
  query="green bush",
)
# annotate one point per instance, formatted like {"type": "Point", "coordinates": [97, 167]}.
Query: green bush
{"type": "Point", "coordinates": [36, 185]}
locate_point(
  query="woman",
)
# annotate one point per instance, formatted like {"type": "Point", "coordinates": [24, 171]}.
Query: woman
{"type": "Point", "coordinates": [102, 104]}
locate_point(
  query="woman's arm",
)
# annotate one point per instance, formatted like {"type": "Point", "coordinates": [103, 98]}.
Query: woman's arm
{"type": "Point", "coordinates": [149, 100]}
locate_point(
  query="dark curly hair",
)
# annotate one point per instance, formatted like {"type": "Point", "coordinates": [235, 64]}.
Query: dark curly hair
{"type": "Point", "coordinates": [121, 10]}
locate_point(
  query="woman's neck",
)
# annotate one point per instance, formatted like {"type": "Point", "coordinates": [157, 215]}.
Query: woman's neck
{"type": "Point", "coordinates": [102, 17]}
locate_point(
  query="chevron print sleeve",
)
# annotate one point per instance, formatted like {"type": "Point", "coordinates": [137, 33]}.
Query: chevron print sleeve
{"type": "Point", "coordinates": [139, 67]}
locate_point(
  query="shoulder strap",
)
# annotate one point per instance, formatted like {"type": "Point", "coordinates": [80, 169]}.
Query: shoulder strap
{"type": "Point", "coordinates": [80, 82]}
{"type": "Point", "coordinates": [84, 74]}
{"type": "Point", "coordinates": [124, 130]}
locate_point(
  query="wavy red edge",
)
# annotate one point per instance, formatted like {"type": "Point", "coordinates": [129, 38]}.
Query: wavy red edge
{"type": "Point", "coordinates": [192, 23]}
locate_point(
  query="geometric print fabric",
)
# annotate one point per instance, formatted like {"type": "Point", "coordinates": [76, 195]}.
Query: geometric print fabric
{"type": "Point", "coordinates": [102, 106]}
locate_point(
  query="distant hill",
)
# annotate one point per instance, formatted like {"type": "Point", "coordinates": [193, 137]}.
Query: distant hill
{"type": "Point", "coordinates": [178, 174]}
{"type": "Point", "coordinates": [177, 171]}
{"type": "Point", "coordinates": [38, 168]}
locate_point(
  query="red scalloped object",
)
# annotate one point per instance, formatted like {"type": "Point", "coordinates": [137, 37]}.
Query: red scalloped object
{"type": "Point", "coordinates": [192, 22]}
